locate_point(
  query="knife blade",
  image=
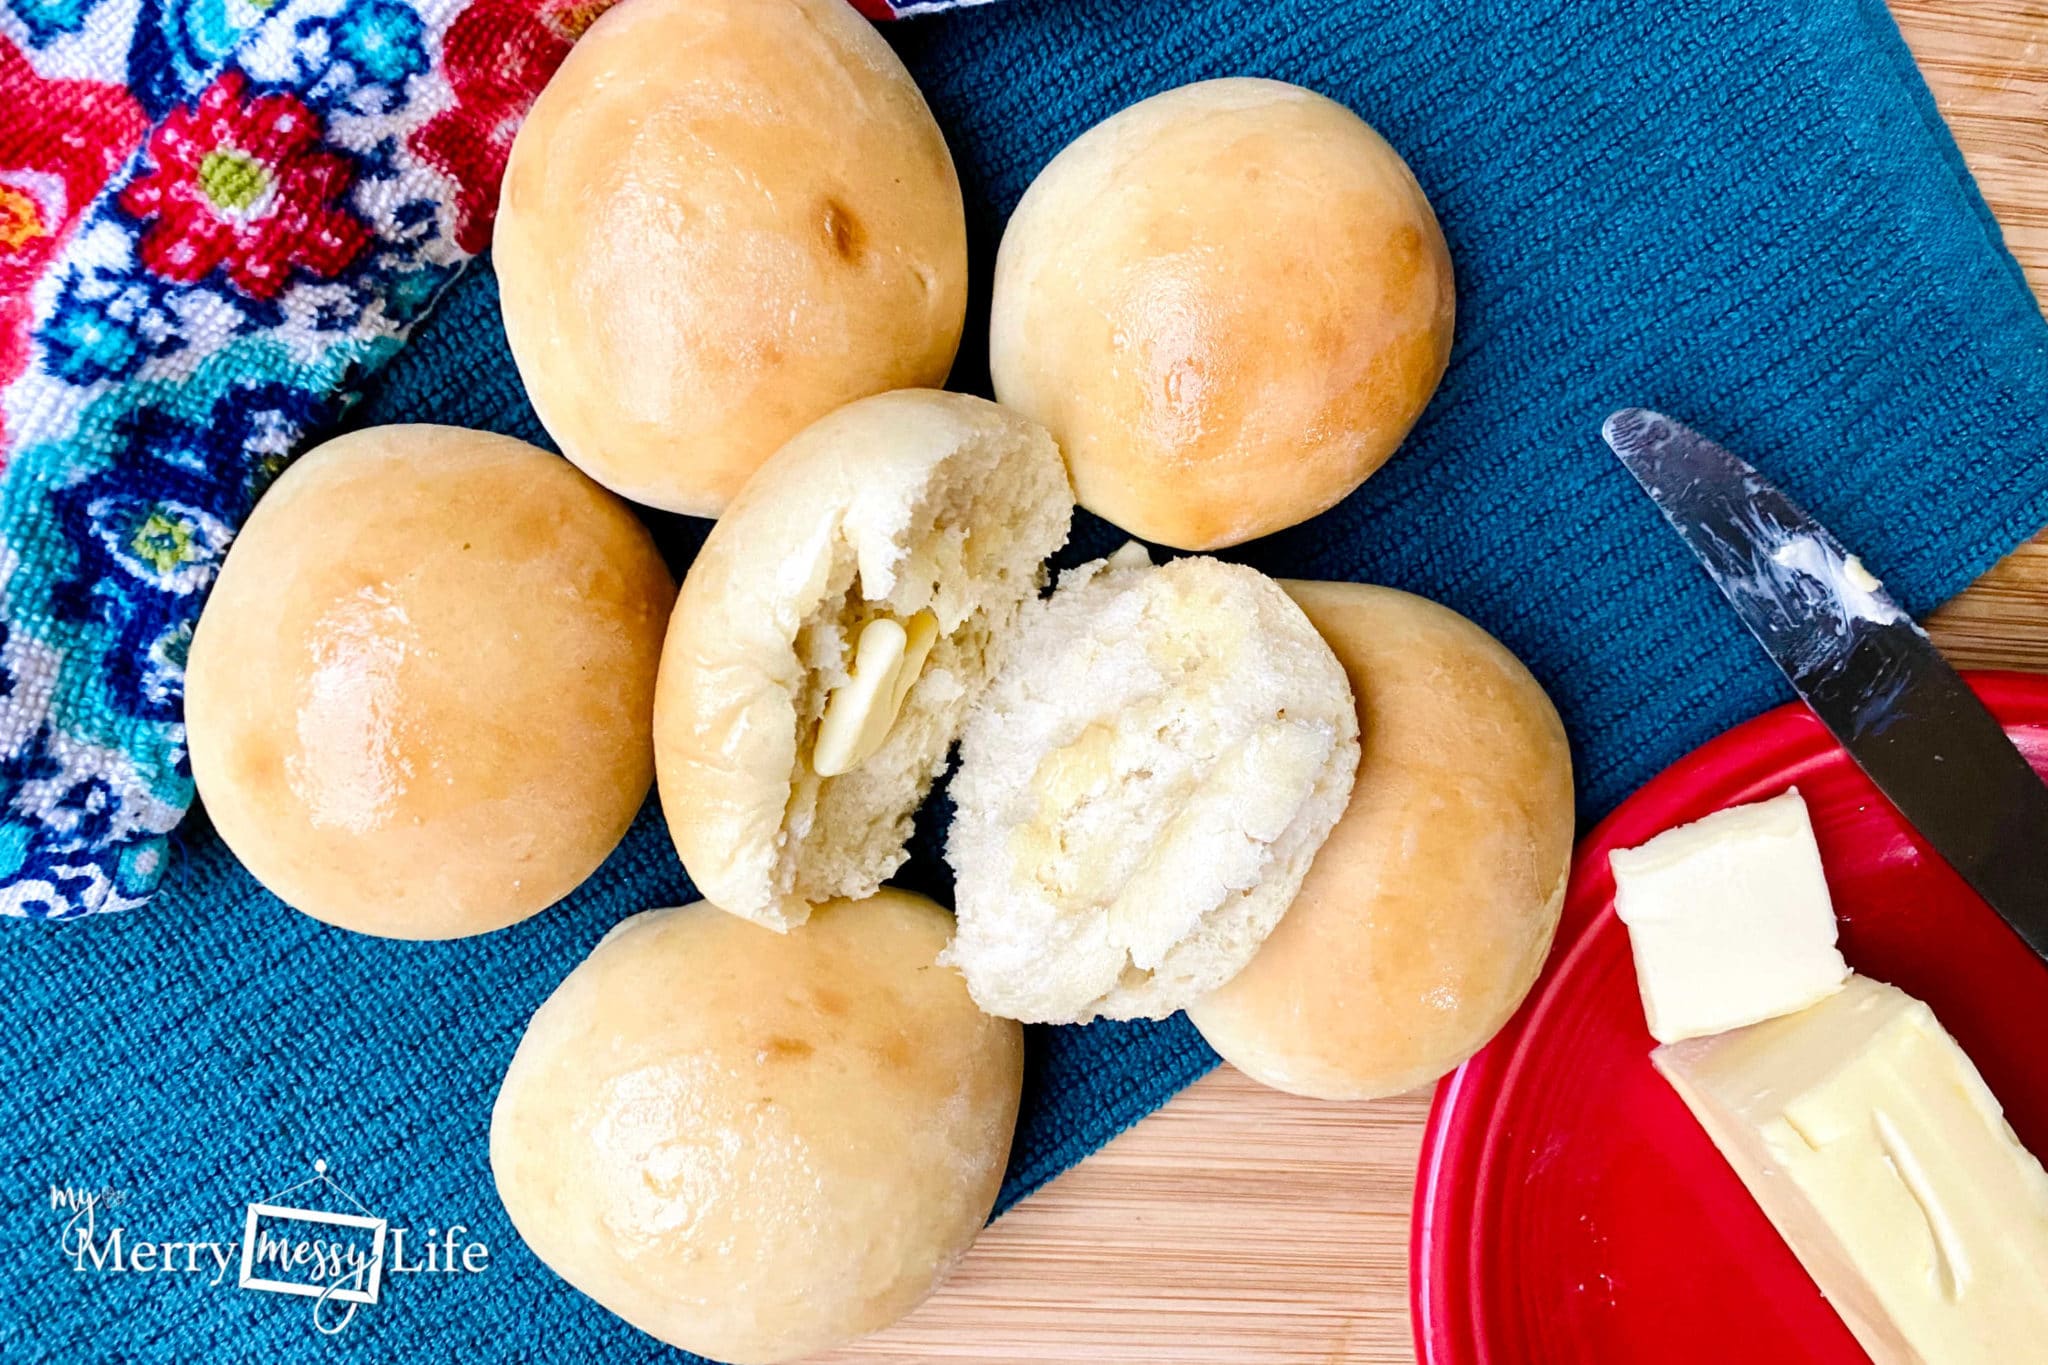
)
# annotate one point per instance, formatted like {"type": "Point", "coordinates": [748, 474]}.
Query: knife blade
{"type": "Point", "coordinates": [1859, 661]}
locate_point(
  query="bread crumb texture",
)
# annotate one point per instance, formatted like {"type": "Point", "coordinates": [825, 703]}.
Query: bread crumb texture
{"type": "Point", "coordinates": [1142, 789]}
{"type": "Point", "coordinates": [903, 504]}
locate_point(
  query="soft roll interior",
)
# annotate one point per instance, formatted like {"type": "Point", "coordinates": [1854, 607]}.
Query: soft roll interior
{"type": "Point", "coordinates": [1141, 793]}
{"type": "Point", "coordinates": [971, 553]}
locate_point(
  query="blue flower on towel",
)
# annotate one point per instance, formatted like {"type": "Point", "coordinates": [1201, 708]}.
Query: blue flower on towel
{"type": "Point", "coordinates": [49, 20]}
{"type": "Point", "coordinates": [178, 50]}
{"type": "Point", "coordinates": [85, 342]}
{"type": "Point", "coordinates": [382, 39]}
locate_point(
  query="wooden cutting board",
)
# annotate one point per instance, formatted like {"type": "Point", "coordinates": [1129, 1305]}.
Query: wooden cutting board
{"type": "Point", "coordinates": [1241, 1226]}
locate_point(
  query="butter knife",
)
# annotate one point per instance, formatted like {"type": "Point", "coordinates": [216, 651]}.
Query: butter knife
{"type": "Point", "coordinates": [1859, 661]}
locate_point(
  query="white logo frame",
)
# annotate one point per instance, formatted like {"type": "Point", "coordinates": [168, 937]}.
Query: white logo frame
{"type": "Point", "coordinates": [286, 1213]}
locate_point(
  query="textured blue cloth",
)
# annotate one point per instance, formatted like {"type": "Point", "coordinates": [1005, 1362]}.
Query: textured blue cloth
{"type": "Point", "coordinates": [1747, 215]}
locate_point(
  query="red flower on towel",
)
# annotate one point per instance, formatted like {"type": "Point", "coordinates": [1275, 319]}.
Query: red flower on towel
{"type": "Point", "coordinates": [247, 185]}
{"type": "Point", "coordinates": [498, 54]}
{"type": "Point", "coordinates": [59, 142]}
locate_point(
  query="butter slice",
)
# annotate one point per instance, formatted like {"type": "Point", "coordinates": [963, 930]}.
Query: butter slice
{"type": "Point", "coordinates": [1729, 919]}
{"type": "Point", "coordinates": [1881, 1157]}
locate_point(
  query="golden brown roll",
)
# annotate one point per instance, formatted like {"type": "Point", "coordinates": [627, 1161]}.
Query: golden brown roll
{"type": "Point", "coordinates": [723, 219]}
{"type": "Point", "coordinates": [1429, 910]}
{"type": "Point", "coordinates": [1228, 303]}
{"type": "Point", "coordinates": [420, 699]}
{"type": "Point", "coordinates": [753, 1145]}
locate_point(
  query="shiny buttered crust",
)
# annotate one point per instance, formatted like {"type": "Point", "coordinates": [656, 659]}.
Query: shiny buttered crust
{"type": "Point", "coordinates": [1229, 303]}
{"type": "Point", "coordinates": [753, 1145]}
{"type": "Point", "coordinates": [723, 219]}
{"type": "Point", "coordinates": [1429, 911]}
{"type": "Point", "coordinates": [893, 507]}
{"type": "Point", "coordinates": [420, 698]}
{"type": "Point", "coordinates": [1142, 788]}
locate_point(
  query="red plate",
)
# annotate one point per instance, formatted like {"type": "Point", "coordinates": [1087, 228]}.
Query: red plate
{"type": "Point", "coordinates": [1569, 1210]}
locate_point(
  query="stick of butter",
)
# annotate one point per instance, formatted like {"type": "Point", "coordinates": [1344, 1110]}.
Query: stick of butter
{"type": "Point", "coordinates": [1886, 1164]}
{"type": "Point", "coordinates": [1729, 919]}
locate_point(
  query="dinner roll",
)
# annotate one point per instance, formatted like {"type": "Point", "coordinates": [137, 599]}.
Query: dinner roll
{"type": "Point", "coordinates": [756, 1146]}
{"type": "Point", "coordinates": [419, 700]}
{"type": "Point", "coordinates": [842, 617]}
{"type": "Point", "coordinates": [1142, 788]}
{"type": "Point", "coordinates": [1229, 303]}
{"type": "Point", "coordinates": [722, 220]}
{"type": "Point", "coordinates": [1427, 915]}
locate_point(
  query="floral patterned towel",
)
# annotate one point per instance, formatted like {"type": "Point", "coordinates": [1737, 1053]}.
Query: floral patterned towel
{"type": "Point", "coordinates": [216, 218]}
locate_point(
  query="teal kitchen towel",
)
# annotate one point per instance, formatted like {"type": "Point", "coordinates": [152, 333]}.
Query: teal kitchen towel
{"type": "Point", "coordinates": [1745, 214]}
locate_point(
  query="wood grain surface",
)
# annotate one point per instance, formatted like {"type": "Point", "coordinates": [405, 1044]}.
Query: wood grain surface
{"type": "Point", "coordinates": [1241, 1225]}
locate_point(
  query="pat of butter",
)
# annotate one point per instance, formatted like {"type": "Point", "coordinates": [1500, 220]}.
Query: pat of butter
{"type": "Point", "coordinates": [1729, 919]}
{"type": "Point", "coordinates": [1876, 1150]}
